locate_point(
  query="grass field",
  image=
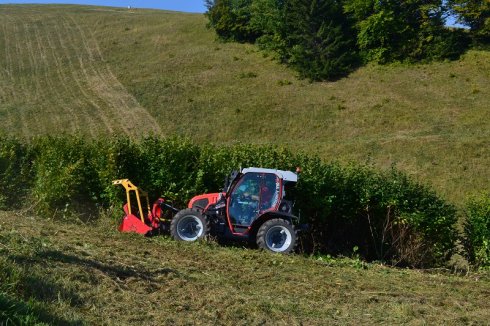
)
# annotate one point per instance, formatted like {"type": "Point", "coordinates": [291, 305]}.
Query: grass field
{"type": "Point", "coordinates": [79, 274]}
{"type": "Point", "coordinates": [96, 71]}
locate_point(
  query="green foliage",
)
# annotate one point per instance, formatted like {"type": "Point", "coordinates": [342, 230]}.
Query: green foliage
{"type": "Point", "coordinates": [477, 230]}
{"type": "Point", "coordinates": [169, 168]}
{"type": "Point", "coordinates": [318, 39]}
{"type": "Point", "coordinates": [15, 172]}
{"type": "Point", "coordinates": [385, 214]}
{"type": "Point", "coordinates": [267, 16]}
{"type": "Point", "coordinates": [313, 37]}
{"type": "Point", "coordinates": [65, 181]}
{"type": "Point", "coordinates": [231, 19]}
{"type": "Point", "coordinates": [475, 14]}
{"type": "Point", "coordinates": [403, 31]}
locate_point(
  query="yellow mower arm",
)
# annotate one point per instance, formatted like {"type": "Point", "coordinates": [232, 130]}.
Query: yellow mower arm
{"type": "Point", "coordinates": [129, 186]}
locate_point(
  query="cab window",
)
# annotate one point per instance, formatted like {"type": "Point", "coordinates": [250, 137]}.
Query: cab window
{"type": "Point", "coordinates": [253, 195]}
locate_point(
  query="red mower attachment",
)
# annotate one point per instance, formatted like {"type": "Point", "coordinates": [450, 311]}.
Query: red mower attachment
{"type": "Point", "coordinates": [135, 220]}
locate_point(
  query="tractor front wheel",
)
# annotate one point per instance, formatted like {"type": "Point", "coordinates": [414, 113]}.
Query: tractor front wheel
{"type": "Point", "coordinates": [189, 225]}
{"type": "Point", "coordinates": [276, 235]}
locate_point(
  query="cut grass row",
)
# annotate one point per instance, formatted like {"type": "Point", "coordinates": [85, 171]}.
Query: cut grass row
{"type": "Point", "coordinates": [58, 81]}
{"type": "Point", "coordinates": [95, 275]}
{"type": "Point", "coordinates": [97, 70]}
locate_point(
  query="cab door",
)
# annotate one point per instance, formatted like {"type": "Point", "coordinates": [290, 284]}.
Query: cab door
{"type": "Point", "coordinates": [253, 195]}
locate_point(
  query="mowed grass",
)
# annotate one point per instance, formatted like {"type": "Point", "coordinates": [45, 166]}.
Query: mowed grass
{"type": "Point", "coordinates": [54, 78]}
{"type": "Point", "coordinates": [98, 71]}
{"type": "Point", "coordinates": [79, 274]}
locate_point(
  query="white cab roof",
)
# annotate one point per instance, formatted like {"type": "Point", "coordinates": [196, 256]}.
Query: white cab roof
{"type": "Point", "coordinates": [285, 175]}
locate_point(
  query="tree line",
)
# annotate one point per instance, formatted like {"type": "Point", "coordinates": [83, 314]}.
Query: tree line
{"type": "Point", "coordinates": [327, 39]}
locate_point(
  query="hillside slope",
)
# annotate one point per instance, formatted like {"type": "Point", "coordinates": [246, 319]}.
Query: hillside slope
{"type": "Point", "coordinates": [101, 71]}
{"type": "Point", "coordinates": [79, 274]}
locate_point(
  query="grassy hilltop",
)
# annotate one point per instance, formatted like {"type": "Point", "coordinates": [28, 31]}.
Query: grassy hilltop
{"type": "Point", "coordinates": [98, 71]}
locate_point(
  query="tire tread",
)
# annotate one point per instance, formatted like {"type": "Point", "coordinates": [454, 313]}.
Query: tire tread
{"type": "Point", "coordinates": [189, 211]}
{"type": "Point", "coordinates": [260, 237]}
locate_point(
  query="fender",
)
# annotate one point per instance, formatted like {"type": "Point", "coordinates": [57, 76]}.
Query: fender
{"type": "Point", "coordinates": [269, 215]}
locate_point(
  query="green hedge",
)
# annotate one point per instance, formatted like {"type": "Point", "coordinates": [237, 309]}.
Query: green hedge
{"type": "Point", "coordinates": [15, 173]}
{"type": "Point", "coordinates": [477, 230]}
{"type": "Point", "coordinates": [385, 214]}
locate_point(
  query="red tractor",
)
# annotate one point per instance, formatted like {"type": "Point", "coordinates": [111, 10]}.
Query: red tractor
{"type": "Point", "coordinates": [252, 207]}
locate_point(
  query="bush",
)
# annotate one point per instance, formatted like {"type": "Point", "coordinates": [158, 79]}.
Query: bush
{"type": "Point", "coordinates": [65, 181]}
{"type": "Point", "coordinates": [383, 213]}
{"type": "Point", "coordinates": [15, 173]}
{"type": "Point", "coordinates": [411, 31]}
{"type": "Point", "coordinates": [231, 20]}
{"type": "Point", "coordinates": [477, 230]}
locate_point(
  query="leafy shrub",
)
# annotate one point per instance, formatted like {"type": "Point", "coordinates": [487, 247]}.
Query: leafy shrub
{"type": "Point", "coordinates": [231, 20]}
{"type": "Point", "coordinates": [477, 230]}
{"type": "Point", "coordinates": [117, 158]}
{"type": "Point", "coordinates": [411, 31]}
{"type": "Point", "coordinates": [15, 172]}
{"type": "Point", "coordinates": [170, 168]}
{"type": "Point", "coordinates": [383, 213]}
{"type": "Point", "coordinates": [65, 181]}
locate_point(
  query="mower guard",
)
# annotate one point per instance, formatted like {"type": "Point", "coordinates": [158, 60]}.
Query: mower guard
{"type": "Point", "coordinates": [131, 223]}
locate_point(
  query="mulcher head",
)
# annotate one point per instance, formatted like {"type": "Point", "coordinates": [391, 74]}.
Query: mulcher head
{"type": "Point", "coordinates": [131, 223]}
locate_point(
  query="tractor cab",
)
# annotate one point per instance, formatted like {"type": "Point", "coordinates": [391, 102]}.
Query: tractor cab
{"type": "Point", "coordinates": [255, 192]}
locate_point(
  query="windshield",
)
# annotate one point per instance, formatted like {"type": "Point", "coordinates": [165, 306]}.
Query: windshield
{"type": "Point", "coordinates": [254, 194]}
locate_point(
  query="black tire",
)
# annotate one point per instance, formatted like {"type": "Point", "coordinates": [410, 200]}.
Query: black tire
{"type": "Point", "coordinates": [189, 225]}
{"type": "Point", "coordinates": [276, 235]}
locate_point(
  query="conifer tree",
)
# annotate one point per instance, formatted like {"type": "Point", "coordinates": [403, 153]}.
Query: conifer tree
{"type": "Point", "coordinates": [318, 40]}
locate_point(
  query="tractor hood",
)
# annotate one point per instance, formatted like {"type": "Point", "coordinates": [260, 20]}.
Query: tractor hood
{"type": "Point", "coordinates": [203, 201]}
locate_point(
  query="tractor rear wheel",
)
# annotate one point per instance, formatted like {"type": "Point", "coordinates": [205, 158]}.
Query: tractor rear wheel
{"type": "Point", "coordinates": [276, 235]}
{"type": "Point", "coordinates": [189, 225]}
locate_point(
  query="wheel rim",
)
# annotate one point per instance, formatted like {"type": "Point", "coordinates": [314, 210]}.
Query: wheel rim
{"type": "Point", "coordinates": [190, 228]}
{"type": "Point", "coordinates": [278, 238]}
